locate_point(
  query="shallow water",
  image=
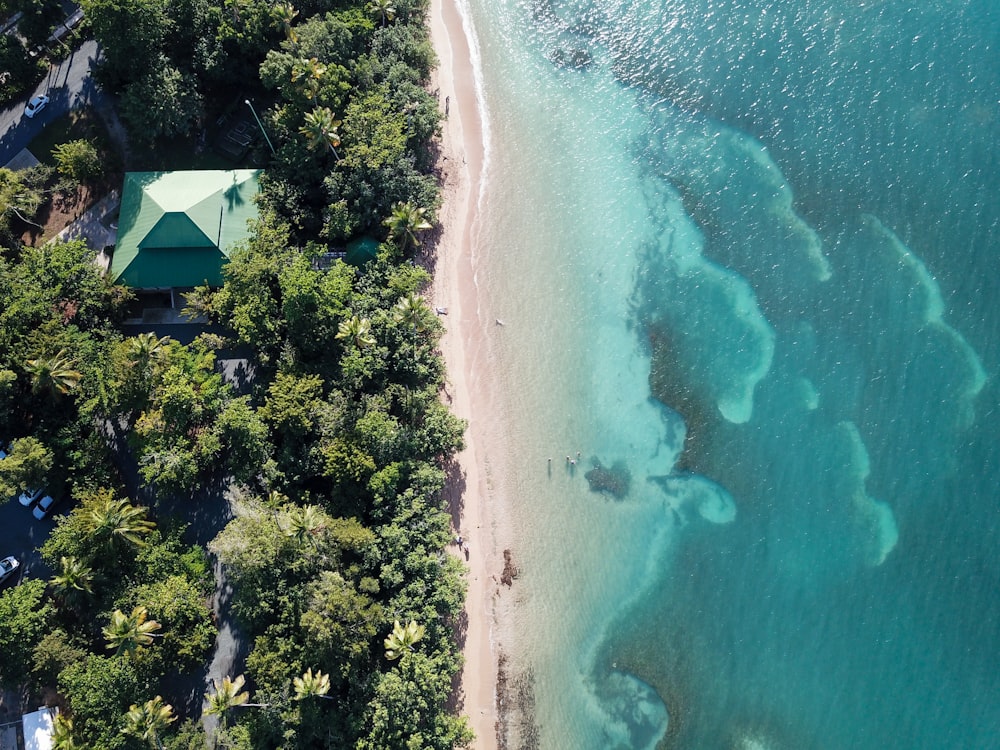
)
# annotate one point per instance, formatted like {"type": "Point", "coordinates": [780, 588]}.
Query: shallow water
{"type": "Point", "coordinates": [744, 252]}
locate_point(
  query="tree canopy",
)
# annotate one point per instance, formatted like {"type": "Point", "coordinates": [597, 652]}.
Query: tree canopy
{"type": "Point", "coordinates": [331, 455]}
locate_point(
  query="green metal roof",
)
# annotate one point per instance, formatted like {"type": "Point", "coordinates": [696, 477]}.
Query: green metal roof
{"type": "Point", "coordinates": [175, 229]}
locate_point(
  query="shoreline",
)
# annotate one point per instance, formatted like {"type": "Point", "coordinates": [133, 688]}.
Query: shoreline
{"type": "Point", "coordinates": [463, 348]}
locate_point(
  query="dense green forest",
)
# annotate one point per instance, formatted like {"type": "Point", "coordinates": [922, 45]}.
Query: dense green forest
{"type": "Point", "coordinates": [332, 455]}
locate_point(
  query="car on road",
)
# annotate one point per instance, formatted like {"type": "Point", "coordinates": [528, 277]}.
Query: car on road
{"type": "Point", "coordinates": [8, 566]}
{"type": "Point", "coordinates": [28, 497]}
{"type": "Point", "coordinates": [36, 105]}
{"type": "Point", "coordinates": [44, 507]}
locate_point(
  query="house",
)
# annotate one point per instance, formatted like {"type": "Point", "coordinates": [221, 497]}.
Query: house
{"type": "Point", "coordinates": [175, 229]}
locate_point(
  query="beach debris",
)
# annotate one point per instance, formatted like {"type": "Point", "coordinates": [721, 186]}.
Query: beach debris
{"type": "Point", "coordinates": [441, 310]}
{"type": "Point", "coordinates": [613, 481]}
{"type": "Point", "coordinates": [510, 571]}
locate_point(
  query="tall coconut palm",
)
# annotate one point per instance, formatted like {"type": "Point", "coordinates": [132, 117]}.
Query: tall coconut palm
{"type": "Point", "coordinates": [412, 312]}
{"type": "Point", "coordinates": [283, 15]}
{"type": "Point", "coordinates": [111, 519]}
{"type": "Point", "coordinates": [384, 10]}
{"type": "Point", "coordinates": [321, 129]}
{"type": "Point", "coordinates": [404, 223]}
{"type": "Point", "coordinates": [54, 375]}
{"type": "Point", "coordinates": [73, 581]}
{"type": "Point", "coordinates": [226, 696]}
{"type": "Point", "coordinates": [357, 331]}
{"type": "Point", "coordinates": [303, 524]}
{"type": "Point", "coordinates": [147, 351]}
{"type": "Point", "coordinates": [148, 720]}
{"type": "Point", "coordinates": [126, 633]}
{"type": "Point", "coordinates": [306, 76]}
{"type": "Point", "coordinates": [276, 498]}
{"type": "Point", "coordinates": [312, 685]}
{"type": "Point", "coordinates": [402, 639]}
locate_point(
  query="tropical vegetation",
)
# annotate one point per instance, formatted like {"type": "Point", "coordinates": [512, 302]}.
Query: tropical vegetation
{"type": "Point", "coordinates": [326, 465]}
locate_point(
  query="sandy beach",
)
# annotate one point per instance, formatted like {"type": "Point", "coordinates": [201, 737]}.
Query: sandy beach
{"type": "Point", "coordinates": [466, 326]}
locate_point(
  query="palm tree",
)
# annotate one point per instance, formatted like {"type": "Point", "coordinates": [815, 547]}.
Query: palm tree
{"type": "Point", "coordinates": [384, 10]}
{"type": "Point", "coordinates": [127, 632]}
{"type": "Point", "coordinates": [307, 74]}
{"type": "Point", "coordinates": [74, 579]}
{"type": "Point", "coordinates": [283, 14]}
{"type": "Point", "coordinates": [402, 639]}
{"type": "Point", "coordinates": [412, 311]}
{"type": "Point", "coordinates": [226, 696]}
{"type": "Point", "coordinates": [321, 129]}
{"type": "Point", "coordinates": [54, 375]}
{"type": "Point", "coordinates": [312, 685]}
{"type": "Point", "coordinates": [357, 330]}
{"type": "Point", "coordinates": [276, 498]}
{"type": "Point", "coordinates": [148, 720]}
{"type": "Point", "coordinates": [404, 223]}
{"type": "Point", "coordinates": [304, 524]}
{"type": "Point", "coordinates": [111, 519]}
{"type": "Point", "coordinates": [62, 733]}
{"type": "Point", "coordinates": [145, 350]}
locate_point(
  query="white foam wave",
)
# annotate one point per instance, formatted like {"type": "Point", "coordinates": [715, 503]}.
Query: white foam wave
{"type": "Point", "coordinates": [934, 312]}
{"type": "Point", "coordinates": [740, 336]}
{"type": "Point", "coordinates": [708, 499]}
{"type": "Point", "coordinates": [736, 175]}
{"type": "Point", "coordinates": [475, 56]}
{"type": "Point", "coordinates": [873, 514]}
{"type": "Point", "coordinates": [782, 201]}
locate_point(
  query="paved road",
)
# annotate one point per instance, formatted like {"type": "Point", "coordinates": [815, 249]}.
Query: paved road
{"type": "Point", "coordinates": [20, 535]}
{"type": "Point", "coordinates": [69, 85]}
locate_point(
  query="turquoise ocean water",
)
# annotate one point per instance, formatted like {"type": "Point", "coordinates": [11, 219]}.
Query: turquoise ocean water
{"type": "Point", "coordinates": [746, 256]}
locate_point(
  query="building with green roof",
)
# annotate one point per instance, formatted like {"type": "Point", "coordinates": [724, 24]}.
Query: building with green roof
{"type": "Point", "coordinates": [175, 229]}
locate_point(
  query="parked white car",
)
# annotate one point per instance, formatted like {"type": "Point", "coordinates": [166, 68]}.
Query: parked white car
{"type": "Point", "coordinates": [8, 566]}
{"type": "Point", "coordinates": [44, 507]}
{"type": "Point", "coordinates": [28, 497]}
{"type": "Point", "coordinates": [36, 105]}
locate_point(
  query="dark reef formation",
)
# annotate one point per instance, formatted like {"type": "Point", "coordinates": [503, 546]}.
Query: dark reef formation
{"type": "Point", "coordinates": [614, 480]}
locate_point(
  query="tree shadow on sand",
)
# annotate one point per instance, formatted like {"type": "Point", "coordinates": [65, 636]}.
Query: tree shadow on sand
{"type": "Point", "coordinates": [454, 491]}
